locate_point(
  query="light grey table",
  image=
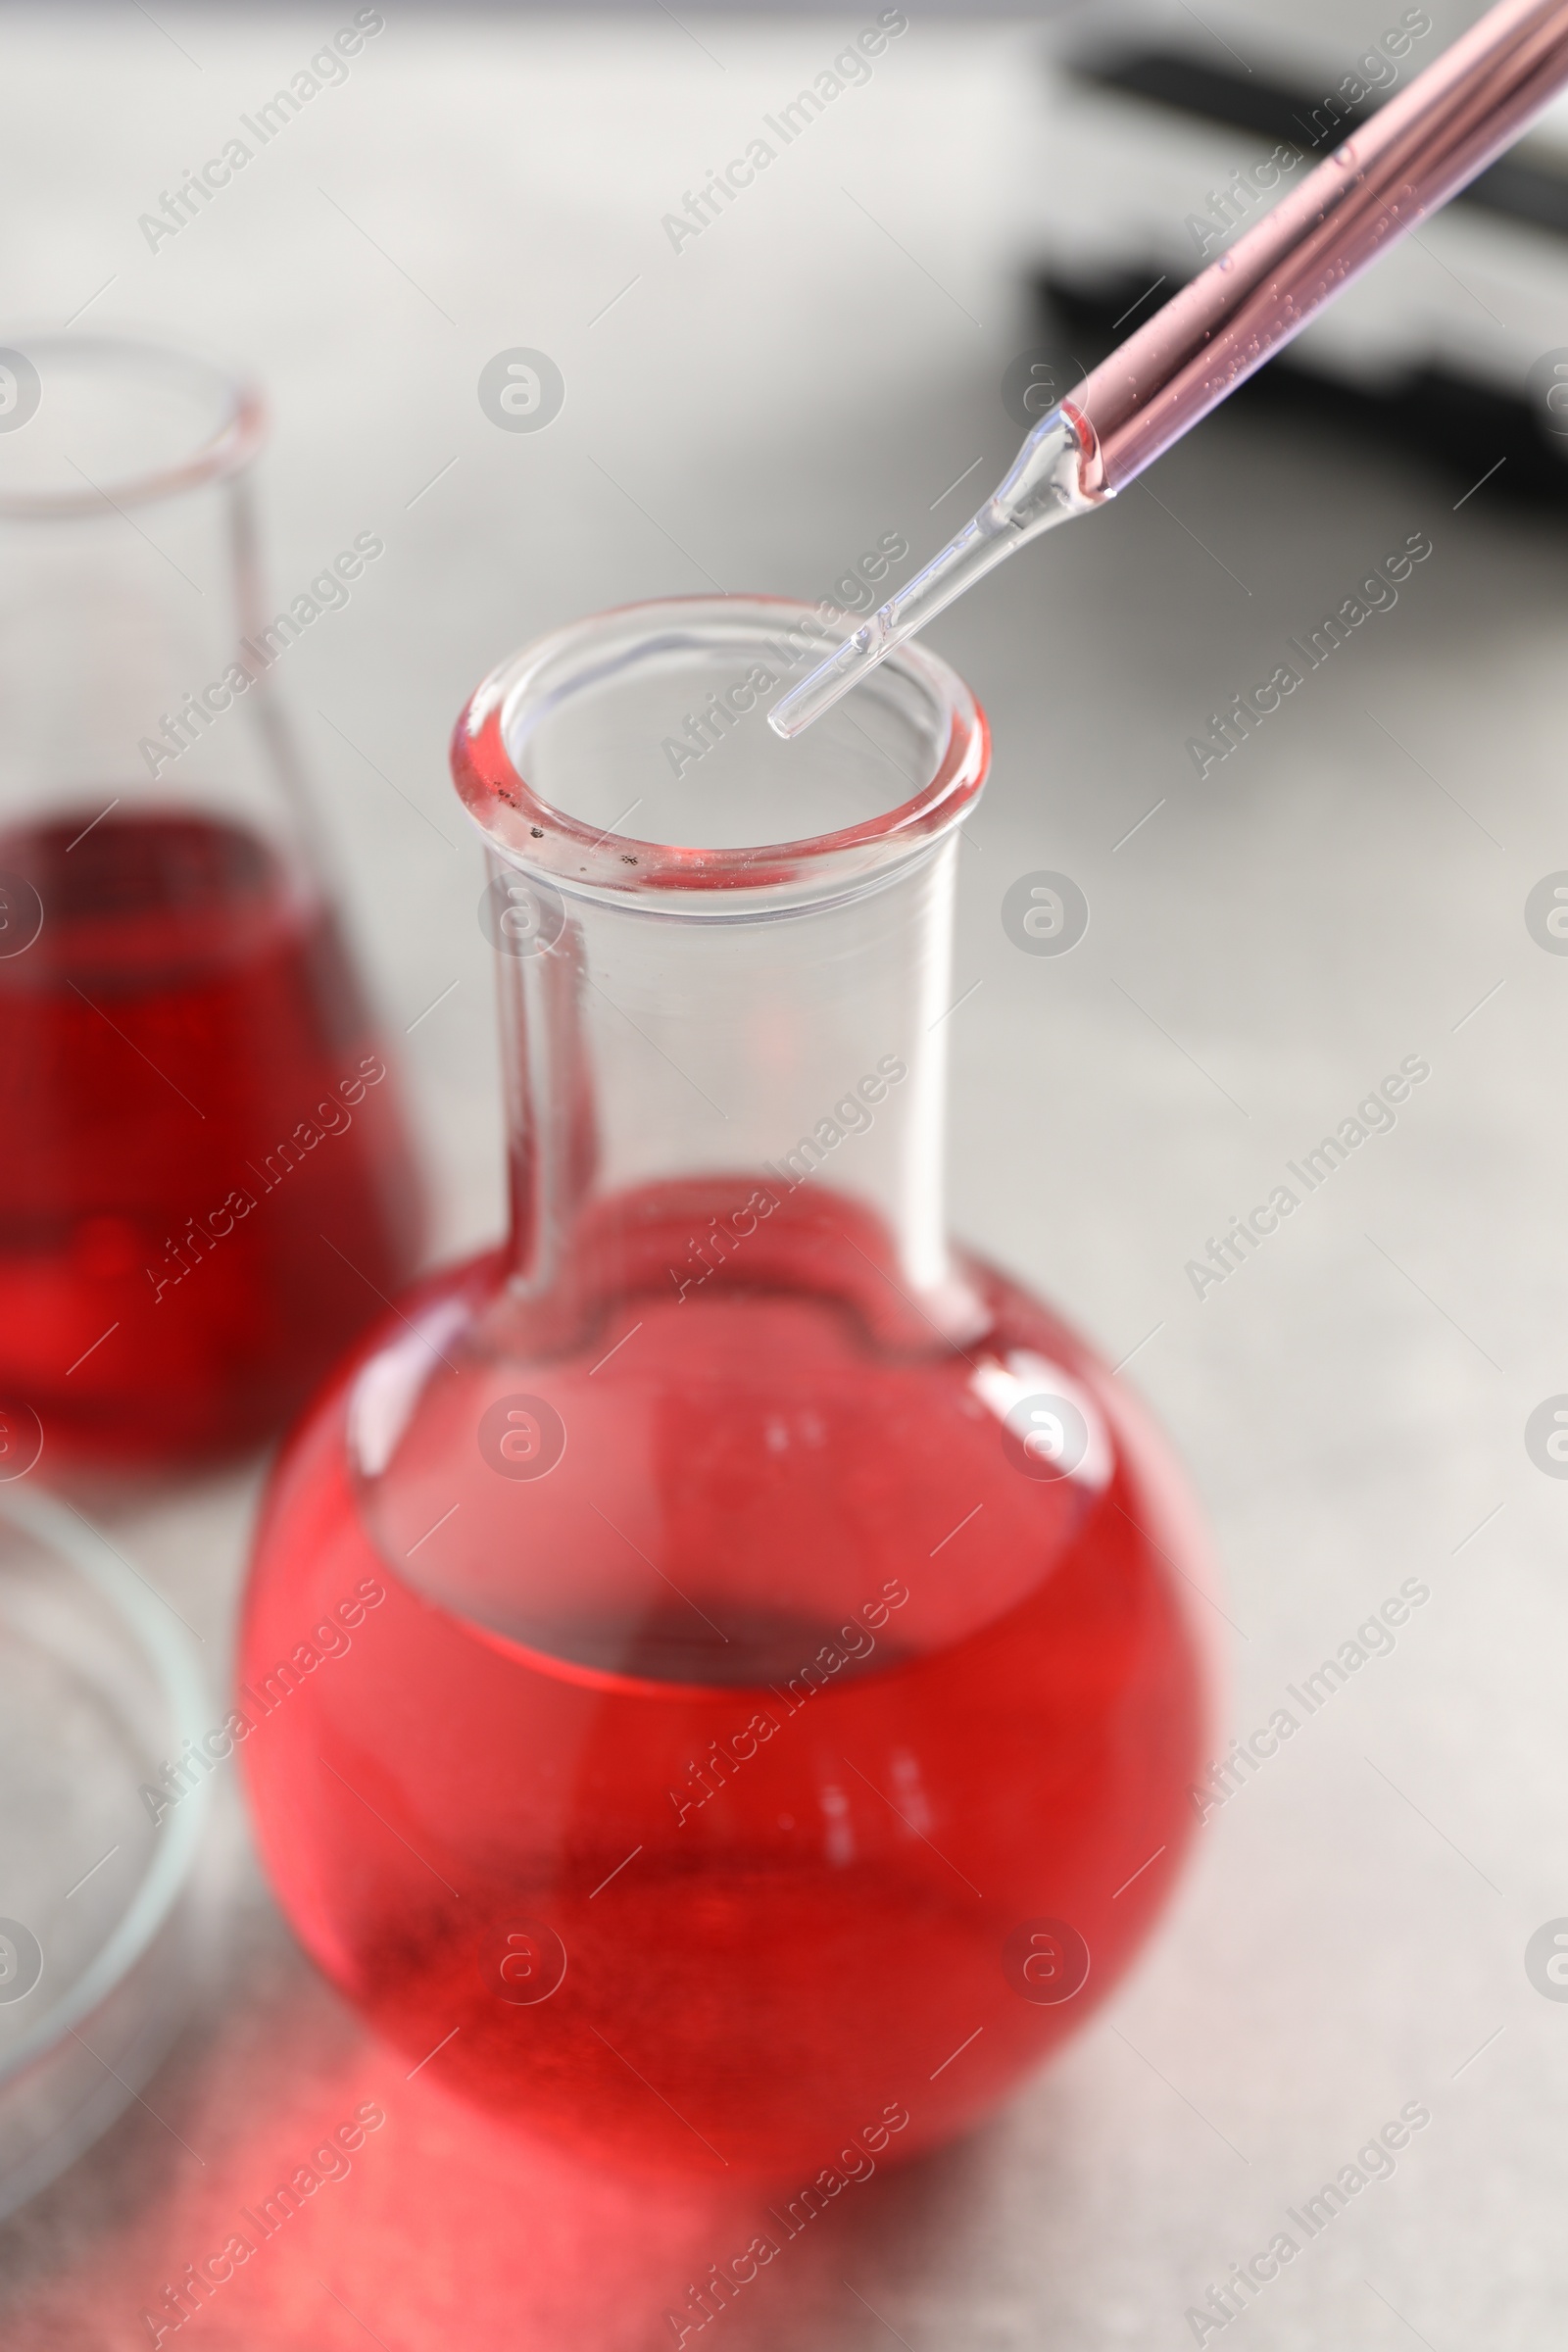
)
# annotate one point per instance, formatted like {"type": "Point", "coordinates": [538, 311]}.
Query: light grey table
{"type": "Point", "coordinates": [1347, 891]}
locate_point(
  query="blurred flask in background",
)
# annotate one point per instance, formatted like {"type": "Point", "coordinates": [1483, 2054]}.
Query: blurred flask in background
{"type": "Point", "coordinates": [205, 1181]}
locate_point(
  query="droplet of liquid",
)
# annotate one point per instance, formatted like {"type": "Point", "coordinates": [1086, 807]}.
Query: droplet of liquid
{"type": "Point", "coordinates": [1227, 261]}
{"type": "Point", "coordinates": [1345, 156]}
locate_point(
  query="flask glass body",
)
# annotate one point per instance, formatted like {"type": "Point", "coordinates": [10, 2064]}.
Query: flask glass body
{"type": "Point", "coordinates": [207, 1180]}
{"type": "Point", "coordinates": [716, 1663]}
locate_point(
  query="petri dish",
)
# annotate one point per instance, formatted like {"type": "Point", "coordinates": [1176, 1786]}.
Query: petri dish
{"type": "Point", "coordinates": [100, 1687]}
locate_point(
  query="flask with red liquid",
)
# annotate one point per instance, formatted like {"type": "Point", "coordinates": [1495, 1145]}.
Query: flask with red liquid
{"type": "Point", "coordinates": [206, 1187]}
{"type": "Point", "coordinates": [718, 1680]}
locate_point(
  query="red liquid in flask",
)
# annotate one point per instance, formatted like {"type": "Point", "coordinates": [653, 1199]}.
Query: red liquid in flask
{"type": "Point", "coordinates": [770, 1768]}
{"type": "Point", "coordinates": [206, 1181]}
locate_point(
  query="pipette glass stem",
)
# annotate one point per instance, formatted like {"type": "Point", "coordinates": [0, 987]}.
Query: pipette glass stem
{"type": "Point", "coordinates": [1043, 488]}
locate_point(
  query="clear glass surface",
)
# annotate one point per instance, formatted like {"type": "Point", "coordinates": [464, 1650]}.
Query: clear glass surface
{"type": "Point", "coordinates": [99, 1692]}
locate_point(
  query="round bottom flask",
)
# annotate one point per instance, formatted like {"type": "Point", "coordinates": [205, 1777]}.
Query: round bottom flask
{"type": "Point", "coordinates": [719, 1671]}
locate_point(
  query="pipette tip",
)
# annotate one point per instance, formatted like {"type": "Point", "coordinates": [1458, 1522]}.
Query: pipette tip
{"type": "Point", "coordinates": [833, 678]}
{"type": "Point", "coordinates": [1043, 488]}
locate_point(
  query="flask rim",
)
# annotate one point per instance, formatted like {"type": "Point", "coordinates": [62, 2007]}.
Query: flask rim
{"type": "Point", "coordinates": [531, 834]}
{"type": "Point", "coordinates": [223, 451]}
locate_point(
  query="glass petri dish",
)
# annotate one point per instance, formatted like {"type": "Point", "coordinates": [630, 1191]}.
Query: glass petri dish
{"type": "Point", "coordinates": [99, 1689]}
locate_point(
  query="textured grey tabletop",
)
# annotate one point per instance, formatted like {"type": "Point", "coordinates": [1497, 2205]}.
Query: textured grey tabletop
{"type": "Point", "coordinates": [1346, 892]}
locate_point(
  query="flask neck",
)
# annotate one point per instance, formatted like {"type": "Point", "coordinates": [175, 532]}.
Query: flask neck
{"type": "Point", "coordinates": [729, 1023]}
{"type": "Point", "coordinates": [109, 632]}
{"type": "Point", "coordinates": [136, 657]}
{"type": "Point", "coordinates": [688, 1091]}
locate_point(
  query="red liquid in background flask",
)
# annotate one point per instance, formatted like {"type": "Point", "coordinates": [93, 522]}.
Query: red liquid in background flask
{"type": "Point", "coordinates": [830, 1729]}
{"type": "Point", "coordinates": [205, 1181]}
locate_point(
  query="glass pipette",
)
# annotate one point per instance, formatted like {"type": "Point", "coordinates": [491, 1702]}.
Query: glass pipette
{"type": "Point", "coordinates": [1416, 151]}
